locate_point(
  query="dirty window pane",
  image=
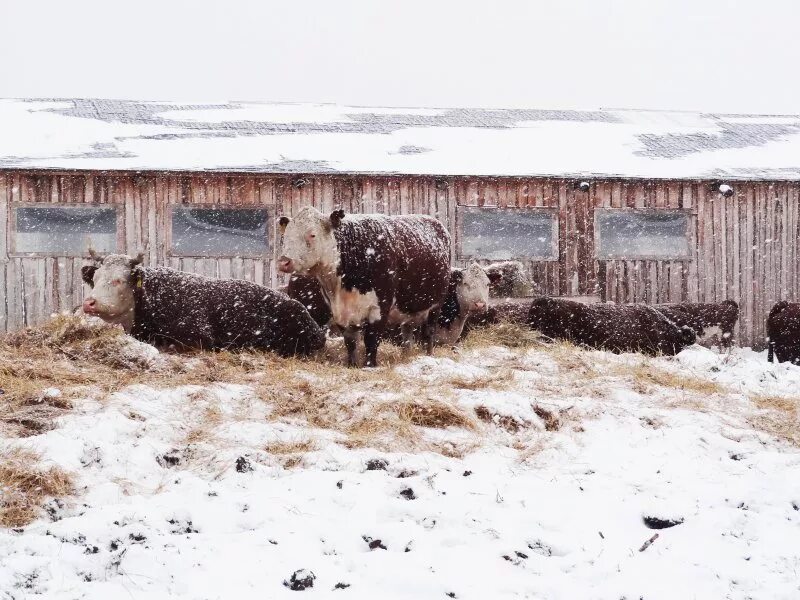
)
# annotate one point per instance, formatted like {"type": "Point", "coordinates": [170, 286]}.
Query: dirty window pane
{"type": "Point", "coordinates": [65, 229]}
{"type": "Point", "coordinates": [642, 234]}
{"type": "Point", "coordinates": [219, 231]}
{"type": "Point", "coordinates": [505, 234]}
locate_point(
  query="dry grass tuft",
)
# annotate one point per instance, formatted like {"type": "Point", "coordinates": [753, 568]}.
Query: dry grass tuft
{"type": "Point", "coordinates": [433, 413]}
{"type": "Point", "coordinates": [512, 335]}
{"type": "Point", "coordinates": [498, 379]}
{"type": "Point", "coordinates": [507, 422]}
{"type": "Point", "coordinates": [551, 420]}
{"type": "Point", "coordinates": [290, 447]}
{"type": "Point", "coordinates": [645, 376]}
{"type": "Point", "coordinates": [25, 486]}
{"type": "Point", "coordinates": [779, 416]}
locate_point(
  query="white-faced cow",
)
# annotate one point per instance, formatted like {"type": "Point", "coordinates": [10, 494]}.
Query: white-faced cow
{"type": "Point", "coordinates": [164, 306]}
{"type": "Point", "coordinates": [783, 332]}
{"type": "Point", "coordinates": [467, 294]}
{"type": "Point", "coordinates": [374, 270]}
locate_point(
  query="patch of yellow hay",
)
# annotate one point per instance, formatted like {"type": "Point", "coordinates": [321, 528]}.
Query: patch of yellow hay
{"type": "Point", "coordinates": [25, 485]}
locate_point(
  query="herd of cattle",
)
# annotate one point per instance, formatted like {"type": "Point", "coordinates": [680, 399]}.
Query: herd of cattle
{"type": "Point", "coordinates": [389, 278]}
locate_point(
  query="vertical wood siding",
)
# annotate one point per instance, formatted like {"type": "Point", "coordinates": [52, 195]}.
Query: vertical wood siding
{"type": "Point", "coordinates": [744, 247]}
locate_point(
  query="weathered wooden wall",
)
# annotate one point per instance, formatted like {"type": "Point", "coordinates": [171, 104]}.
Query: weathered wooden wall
{"type": "Point", "coordinates": [744, 247]}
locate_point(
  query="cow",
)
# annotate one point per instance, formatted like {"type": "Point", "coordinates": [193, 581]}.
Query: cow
{"type": "Point", "coordinates": [467, 294]}
{"type": "Point", "coordinates": [783, 332]}
{"type": "Point", "coordinates": [508, 280]}
{"type": "Point", "coordinates": [308, 291]}
{"type": "Point", "coordinates": [507, 310]}
{"type": "Point", "coordinates": [374, 270]}
{"type": "Point", "coordinates": [713, 323]}
{"type": "Point", "coordinates": [614, 327]}
{"type": "Point", "coordinates": [163, 306]}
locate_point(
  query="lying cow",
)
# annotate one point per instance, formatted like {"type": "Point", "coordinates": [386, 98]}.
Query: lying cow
{"type": "Point", "coordinates": [507, 310]}
{"type": "Point", "coordinates": [375, 270]}
{"type": "Point", "coordinates": [713, 323]}
{"type": "Point", "coordinates": [508, 280]}
{"type": "Point", "coordinates": [467, 294]}
{"type": "Point", "coordinates": [783, 332]}
{"type": "Point", "coordinates": [165, 306]}
{"type": "Point", "coordinates": [614, 327]}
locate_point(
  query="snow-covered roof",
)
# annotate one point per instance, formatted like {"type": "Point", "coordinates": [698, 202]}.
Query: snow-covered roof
{"type": "Point", "coordinates": [324, 138]}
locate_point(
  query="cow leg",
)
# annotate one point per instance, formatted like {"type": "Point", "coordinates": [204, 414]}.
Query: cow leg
{"type": "Point", "coordinates": [770, 352]}
{"type": "Point", "coordinates": [350, 335]}
{"type": "Point", "coordinates": [428, 330]}
{"type": "Point", "coordinates": [407, 331]}
{"type": "Point", "coordinates": [371, 337]}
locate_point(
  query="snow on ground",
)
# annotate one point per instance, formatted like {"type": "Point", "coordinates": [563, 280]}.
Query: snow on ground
{"type": "Point", "coordinates": [538, 512]}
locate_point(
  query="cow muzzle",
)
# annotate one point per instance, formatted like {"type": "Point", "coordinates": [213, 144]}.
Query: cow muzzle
{"type": "Point", "coordinates": [479, 305]}
{"type": "Point", "coordinates": [285, 265]}
{"type": "Point", "coordinates": [90, 306]}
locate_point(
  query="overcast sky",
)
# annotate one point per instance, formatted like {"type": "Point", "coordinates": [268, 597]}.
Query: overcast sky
{"type": "Point", "coordinates": [712, 55]}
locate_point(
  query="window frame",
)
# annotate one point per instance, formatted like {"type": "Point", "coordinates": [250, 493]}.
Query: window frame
{"type": "Point", "coordinates": [687, 212]}
{"type": "Point", "coordinates": [119, 233]}
{"type": "Point", "coordinates": [551, 211]}
{"type": "Point", "coordinates": [270, 242]}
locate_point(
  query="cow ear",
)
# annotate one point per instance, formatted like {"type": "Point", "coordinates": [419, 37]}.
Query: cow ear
{"type": "Point", "coordinates": [137, 260]}
{"type": "Point", "coordinates": [336, 218]}
{"type": "Point", "coordinates": [282, 223]}
{"type": "Point", "coordinates": [87, 273]}
{"type": "Point", "coordinates": [494, 276]}
{"type": "Point", "coordinates": [456, 276]}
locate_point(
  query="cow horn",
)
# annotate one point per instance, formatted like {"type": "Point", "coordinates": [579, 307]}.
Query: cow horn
{"type": "Point", "coordinates": [95, 256]}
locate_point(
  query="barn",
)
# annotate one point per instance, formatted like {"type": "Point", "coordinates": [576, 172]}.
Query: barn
{"type": "Point", "coordinates": [621, 205]}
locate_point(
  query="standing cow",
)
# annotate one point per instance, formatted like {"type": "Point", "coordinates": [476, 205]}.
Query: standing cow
{"type": "Point", "coordinates": [162, 305]}
{"type": "Point", "coordinates": [374, 270]}
{"type": "Point", "coordinates": [783, 332]}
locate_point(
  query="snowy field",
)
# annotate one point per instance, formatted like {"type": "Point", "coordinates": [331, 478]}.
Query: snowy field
{"type": "Point", "coordinates": [492, 472]}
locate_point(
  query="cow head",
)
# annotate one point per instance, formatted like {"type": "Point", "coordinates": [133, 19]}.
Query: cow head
{"type": "Point", "coordinates": [308, 241]}
{"type": "Point", "coordinates": [113, 280]}
{"type": "Point", "coordinates": [472, 288]}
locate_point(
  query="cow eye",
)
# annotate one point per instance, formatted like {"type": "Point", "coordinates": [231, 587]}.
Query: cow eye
{"type": "Point", "coordinates": [116, 281]}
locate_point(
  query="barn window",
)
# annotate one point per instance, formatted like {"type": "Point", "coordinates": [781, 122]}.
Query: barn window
{"type": "Point", "coordinates": [64, 230]}
{"type": "Point", "coordinates": [508, 233]}
{"type": "Point", "coordinates": [642, 233]}
{"type": "Point", "coordinates": [205, 231]}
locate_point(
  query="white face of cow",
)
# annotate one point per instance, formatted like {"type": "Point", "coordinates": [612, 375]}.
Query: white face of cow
{"type": "Point", "coordinates": [473, 290]}
{"type": "Point", "coordinates": [113, 282]}
{"type": "Point", "coordinates": [308, 241]}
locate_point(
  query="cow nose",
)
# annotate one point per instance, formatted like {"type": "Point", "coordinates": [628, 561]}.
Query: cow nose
{"type": "Point", "coordinates": [285, 264]}
{"type": "Point", "coordinates": [480, 305]}
{"type": "Point", "coordinates": [89, 304]}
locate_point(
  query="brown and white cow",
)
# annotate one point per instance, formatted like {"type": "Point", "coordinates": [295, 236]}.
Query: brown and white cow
{"type": "Point", "coordinates": [164, 306]}
{"type": "Point", "coordinates": [614, 327]}
{"type": "Point", "coordinates": [712, 322]}
{"type": "Point", "coordinates": [467, 294]}
{"type": "Point", "coordinates": [783, 332]}
{"type": "Point", "coordinates": [374, 270]}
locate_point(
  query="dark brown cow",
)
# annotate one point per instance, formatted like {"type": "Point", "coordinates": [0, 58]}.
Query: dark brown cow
{"type": "Point", "coordinates": [508, 280]}
{"type": "Point", "coordinates": [713, 323]}
{"type": "Point", "coordinates": [508, 310]}
{"type": "Point", "coordinates": [375, 270]}
{"type": "Point", "coordinates": [164, 306]}
{"type": "Point", "coordinates": [308, 291]}
{"type": "Point", "coordinates": [783, 332]}
{"type": "Point", "coordinates": [614, 327]}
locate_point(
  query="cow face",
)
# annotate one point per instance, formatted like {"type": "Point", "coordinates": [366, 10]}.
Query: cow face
{"type": "Point", "coordinates": [113, 282]}
{"type": "Point", "coordinates": [308, 241]}
{"type": "Point", "coordinates": [473, 289]}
